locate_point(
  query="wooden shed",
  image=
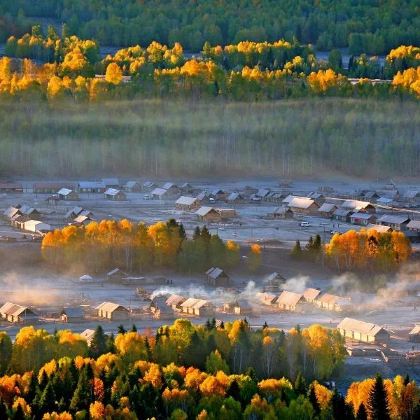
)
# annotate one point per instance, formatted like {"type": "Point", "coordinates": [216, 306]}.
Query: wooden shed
{"type": "Point", "coordinates": [363, 331]}
{"type": "Point", "coordinates": [303, 205]}
{"type": "Point", "coordinates": [216, 277]}
{"type": "Point", "coordinates": [15, 313]}
{"type": "Point", "coordinates": [208, 214]}
{"type": "Point", "coordinates": [289, 301]}
{"type": "Point", "coordinates": [185, 203]}
{"type": "Point", "coordinates": [115, 195]}
{"type": "Point", "coordinates": [113, 311]}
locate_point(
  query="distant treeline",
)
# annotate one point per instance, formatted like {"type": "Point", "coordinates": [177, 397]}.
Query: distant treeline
{"type": "Point", "coordinates": [369, 27]}
{"type": "Point", "coordinates": [161, 138]}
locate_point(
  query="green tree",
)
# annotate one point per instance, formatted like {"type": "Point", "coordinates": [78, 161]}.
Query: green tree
{"type": "Point", "coordinates": [378, 401]}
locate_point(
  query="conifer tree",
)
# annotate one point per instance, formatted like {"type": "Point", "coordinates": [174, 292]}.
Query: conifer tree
{"type": "Point", "coordinates": [47, 402]}
{"type": "Point", "coordinates": [98, 345]}
{"type": "Point", "coordinates": [314, 400]}
{"type": "Point", "coordinates": [361, 413]}
{"type": "Point", "coordinates": [378, 401]}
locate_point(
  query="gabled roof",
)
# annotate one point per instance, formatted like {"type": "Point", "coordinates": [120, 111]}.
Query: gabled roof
{"type": "Point", "coordinates": [288, 199]}
{"type": "Point", "coordinates": [362, 327]}
{"type": "Point", "coordinates": [379, 228]}
{"type": "Point", "coordinates": [175, 300]}
{"type": "Point", "coordinates": [189, 303]}
{"type": "Point", "coordinates": [394, 219]}
{"type": "Point", "coordinates": [274, 276]}
{"type": "Point", "coordinates": [159, 191]}
{"type": "Point", "coordinates": [186, 201]}
{"type": "Point", "coordinates": [327, 207]}
{"type": "Point", "coordinates": [342, 212]}
{"type": "Point", "coordinates": [27, 210]}
{"type": "Point", "coordinates": [289, 298]}
{"type": "Point", "coordinates": [415, 330]}
{"type": "Point", "coordinates": [112, 191]}
{"type": "Point", "coordinates": [311, 293]}
{"type": "Point", "coordinates": [414, 224]}
{"type": "Point", "coordinates": [202, 195]}
{"type": "Point", "coordinates": [384, 200]}
{"type": "Point", "coordinates": [234, 196]}
{"type": "Point", "coordinates": [262, 192]}
{"type": "Point", "coordinates": [11, 211]}
{"type": "Point", "coordinates": [301, 202]}
{"type": "Point", "coordinates": [215, 272]}
{"type": "Point", "coordinates": [266, 298]}
{"type": "Point", "coordinates": [282, 210]}
{"type": "Point", "coordinates": [75, 211]}
{"type": "Point", "coordinates": [148, 184]}
{"type": "Point", "coordinates": [15, 310]}
{"type": "Point", "coordinates": [355, 204]}
{"type": "Point", "coordinates": [131, 184]}
{"type": "Point", "coordinates": [64, 191]}
{"type": "Point", "coordinates": [168, 185]}
{"type": "Point", "coordinates": [87, 334]}
{"type": "Point", "coordinates": [362, 216]}
{"type": "Point", "coordinates": [81, 218]}
{"type": "Point", "coordinates": [200, 303]}
{"type": "Point", "coordinates": [110, 307]}
{"type": "Point", "coordinates": [333, 299]}
{"type": "Point", "coordinates": [203, 211]}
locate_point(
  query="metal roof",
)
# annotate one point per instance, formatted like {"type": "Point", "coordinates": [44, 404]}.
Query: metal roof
{"type": "Point", "coordinates": [379, 228]}
{"type": "Point", "coordinates": [414, 224]}
{"type": "Point", "coordinates": [342, 212]}
{"type": "Point", "coordinates": [187, 201]}
{"type": "Point", "coordinates": [394, 219]}
{"type": "Point", "coordinates": [355, 204]}
{"type": "Point", "coordinates": [112, 191]}
{"type": "Point", "coordinates": [91, 184]}
{"type": "Point", "coordinates": [175, 300]}
{"type": "Point", "coordinates": [363, 216]}
{"type": "Point", "coordinates": [168, 185]}
{"type": "Point", "coordinates": [11, 211]}
{"type": "Point", "coordinates": [327, 207]}
{"type": "Point", "coordinates": [189, 303]}
{"type": "Point", "coordinates": [13, 309]}
{"type": "Point", "coordinates": [415, 330]}
{"type": "Point", "coordinates": [301, 202]}
{"type": "Point", "coordinates": [159, 191]}
{"type": "Point", "coordinates": [64, 191]}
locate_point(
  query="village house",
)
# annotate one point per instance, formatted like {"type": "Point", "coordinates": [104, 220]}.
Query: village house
{"type": "Point", "coordinates": [50, 187]}
{"type": "Point", "coordinates": [288, 199]}
{"type": "Point", "coordinates": [216, 277]}
{"type": "Point", "coordinates": [67, 194]}
{"type": "Point", "coordinates": [114, 194]}
{"type": "Point", "coordinates": [386, 201]}
{"type": "Point", "coordinates": [317, 197]}
{"type": "Point", "coordinates": [16, 313]}
{"type": "Point", "coordinates": [186, 188]}
{"type": "Point", "coordinates": [282, 213]}
{"type": "Point", "coordinates": [238, 307]}
{"type": "Point", "coordinates": [172, 190]}
{"type": "Point", "coordinates": [148, 186]}
{"type": "Point", "coordinates": [91, 187]}
{"type": "Point", "coordinates": [160, 309]}
{"type": "Point", "coordinates": [202, 198]}
{"type": "Point", "coordinates": [36, 226]}
{"type": "Point", "coordinates": [72, 213]}
{"type": "Point", "coordinates": [226, 213]}
{"type": "Point", "coordinates": [358, 206]}
{"type": "Point", "coordinates": [303, 205]}
{"type": "Point", "coordinates": [333, 302]}
{"type": "Point", "coordinates": [379, 228]}
{"type": "Point", "coordinates": [29, 211]}
{"type": "Point", "coordinates": [362, 219]}
{"type": "Point", "coordinates": [9, 187]}
{"type": "Point", "coordinates": [414, 228]}
{"type": "Point", "coordinates": [159, 194]}
{"type": "Point", "coordinates": [88, 335]}
{"type": "Point", "coordinates": [186, 203]}
{"type": "Point", "coordinates": [175, 301]}
{"type": "Point", "coordinates": [414, 334]}
{"type": "Point", "coordinates": [370, 195]}
{"type": "Point", "coordinates": [72, 314]}
{"type": "Point", "coordinates": [411, 196]}
{"type": "Point", "coordinates": [111, 183]}
{"type": "Point", "coordinates": [273, 282]}
{"type": "Point", "coordinates": [217, 194]}
{"type": "Point", "coordinates": [363, 331]}
{"type": "Point", "coordinates": [268, 299]}
{"type": "Point", "coordinates": [208, 214]}
{"type": "Point", "coordinates": [327, 210]}
{"type": "Point", "coordinates": [274, 197]}
{"type": "Point", "coordinates": [115, 275]}
{"type": "Point", "coordinates": [132, 186]}
{"type": "Point", "coordinates": [113, 311]}
{"type": "Point", "coordinates": [10, 212]}
{"type": "Point", "coordinates": [198, 307]}
{"type": "Point", "coordinates": [82, 220]}
{"type": "Point", "coordinates": [187, 306]}
{"type": "Point", "coordinates": [235, 198]}
{"type": "Point", "coordinates": [394, 221]}
{"type": "Point", "coordinates": [289, 301]}
{"type": "Point", "coordinates": [342, 215]}
{"type": "Point", "coordinates": [310, 294]}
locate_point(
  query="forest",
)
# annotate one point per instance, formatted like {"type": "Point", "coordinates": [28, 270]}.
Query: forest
{"type": "Point", "coordinates": [137, 247]}
{"type": "Point", "coordinates": [187, 138]}
{"type": "Point", "coordinates": [186, 371]}
{"type": "Point", "coordinates": [372, 27]}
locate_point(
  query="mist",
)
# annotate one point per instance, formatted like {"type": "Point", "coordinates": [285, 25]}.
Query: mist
{"type": "Point", "coordinates": [180, 138]}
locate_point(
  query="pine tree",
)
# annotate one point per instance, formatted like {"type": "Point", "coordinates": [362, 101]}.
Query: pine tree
{"type": "Point", "coordinates": [300, 384]}
{"type": "Point", "coordinates": [205, 234]}
{"type": "Point", "coordinates": [265, 325]}
{"type": "Point", "coordinates": [134, 328]}
{"type": "Point", "coordinates": [18, 414]}
{"type": "Point", "coordinates": [361, 413]}
{"type": "Point", "coordinates": [3, 410]}
{"type": "Point", "coordinates": [121, 329]}
{"type": "Point", "coordinates": [340, 408]}
{"type": "Point", "coordinates": [82, 396]}
{"type": "Point", "coordinates": [297, 250]}
{"type": "Point", "coordinates": [378, 401]}
{"type": "Point", "coordinates": [47, 403]}
{"type": "Point", "coordinates": [110, 344]}
{"type": "Point", "coordinates": [148, 349]}
{"type": "Point", "coordinates": [197, 233]}
{"type": "Point", "coordinates": [98, 345]}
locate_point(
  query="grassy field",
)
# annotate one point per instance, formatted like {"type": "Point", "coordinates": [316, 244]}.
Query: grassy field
{"type": "Point", "coordinates": [156, 138]}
